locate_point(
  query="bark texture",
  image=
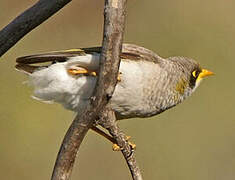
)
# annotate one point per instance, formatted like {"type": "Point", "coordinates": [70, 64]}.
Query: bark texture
{"type": "Point", "coordinates": [114, 21]}
{"type": "Point", "coordinates": [109, 122]}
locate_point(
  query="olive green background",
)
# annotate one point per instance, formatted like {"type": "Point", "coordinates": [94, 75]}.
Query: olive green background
{"type": "Point", "coordinates": [195, 140]}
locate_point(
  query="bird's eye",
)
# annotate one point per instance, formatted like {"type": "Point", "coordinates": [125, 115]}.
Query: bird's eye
{"type": "Point", "coordinates": [195, 73]}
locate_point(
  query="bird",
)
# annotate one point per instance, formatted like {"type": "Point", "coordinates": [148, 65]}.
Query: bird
{"type": "Point", "coordinates": [147, 84]}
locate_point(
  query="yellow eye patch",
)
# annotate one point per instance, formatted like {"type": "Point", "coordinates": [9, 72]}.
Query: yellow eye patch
{"type": "Point", "coordinates": [194, 73]}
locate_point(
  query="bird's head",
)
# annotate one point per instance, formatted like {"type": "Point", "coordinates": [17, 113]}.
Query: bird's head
{"type": "Point", "coordinates": [189, 73]}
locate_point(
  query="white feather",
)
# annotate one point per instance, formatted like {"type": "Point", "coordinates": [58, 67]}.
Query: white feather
{"type": "Point", "coordinates": [90, 61]}
{"type": "Point", "coordinates": [55, 84]}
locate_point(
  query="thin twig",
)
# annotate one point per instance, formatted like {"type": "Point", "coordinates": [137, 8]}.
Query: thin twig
{"type": "Point", "coordinates": [102, 133]}
{"type": "Point", "coordinates": [109, 122]}
{"type": "Point", "coordinates": [109, 64]}
{"type": "Point", "coordinates": [27, 21]}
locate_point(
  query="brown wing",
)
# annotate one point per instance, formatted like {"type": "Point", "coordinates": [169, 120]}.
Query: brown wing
{"type": "Point", "coordinates": [132, 52]}
{"type": "Point", "coordinates": [27, 68]}
{"type": "Point", "coordinates": [55, 56]}
{"type": "Point", "coordinates": [24, 64]}
{"type": "Point", "coordinates": [129, 51]}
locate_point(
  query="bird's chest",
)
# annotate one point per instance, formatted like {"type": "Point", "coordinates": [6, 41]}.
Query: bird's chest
{"type": "Point", "coordinates": [143, 90]}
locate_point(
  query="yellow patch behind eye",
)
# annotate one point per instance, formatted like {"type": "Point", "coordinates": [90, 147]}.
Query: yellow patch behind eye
{"type": "Point", "coordinates": [181, 86]}
{"type": "Point", "coordinates": [194, 73]}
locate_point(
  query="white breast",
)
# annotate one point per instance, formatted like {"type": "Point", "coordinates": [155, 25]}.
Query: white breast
{"type": "Point", "coordinates": [129, 96]}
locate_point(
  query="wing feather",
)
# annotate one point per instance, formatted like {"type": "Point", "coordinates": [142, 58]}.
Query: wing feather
{"type": "Point", "coordinates": [79, 57]}
{"type": "Point", "coordinates": [55, 56]}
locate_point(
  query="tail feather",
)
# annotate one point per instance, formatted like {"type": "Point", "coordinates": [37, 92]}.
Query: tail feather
{"type": "Point", "coordinates": [27, 69]}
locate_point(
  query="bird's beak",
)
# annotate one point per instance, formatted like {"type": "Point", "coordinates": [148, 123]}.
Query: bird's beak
{"type": "Point", "coordinates": [205, 73]}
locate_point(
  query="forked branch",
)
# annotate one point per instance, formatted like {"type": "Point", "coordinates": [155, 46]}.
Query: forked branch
{"type": "Point", "coordinates": [114, 21]}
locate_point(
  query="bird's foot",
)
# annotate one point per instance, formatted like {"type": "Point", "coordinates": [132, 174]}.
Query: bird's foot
{"type": "Point", "coordinates": [81, 71]}
{"type": "Point", "coordinates": [119, 76]}
{"type": "Point", "coordinates": [115, 147]}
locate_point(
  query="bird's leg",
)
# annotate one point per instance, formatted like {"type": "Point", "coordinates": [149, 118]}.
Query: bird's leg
{"type": "Point", "coordinates": [115, 147]}
{"type": "Point", "coordinates": [102, 133]}
{"type": "Point", "coordinates": [82, 71]}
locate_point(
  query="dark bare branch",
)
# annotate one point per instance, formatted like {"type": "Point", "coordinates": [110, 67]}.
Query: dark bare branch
{"type": "Point", "coordinates": [27, 21]}
{"type": "Point", "coordinates": [109, 65]}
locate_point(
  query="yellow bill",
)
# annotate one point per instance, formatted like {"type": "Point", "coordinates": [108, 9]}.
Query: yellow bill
{"type": "Point", "coordinates": [205, 73]}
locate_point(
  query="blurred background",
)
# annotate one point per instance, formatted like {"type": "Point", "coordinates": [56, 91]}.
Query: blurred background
{"type": "Point", "coordinates": [195, 140]}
